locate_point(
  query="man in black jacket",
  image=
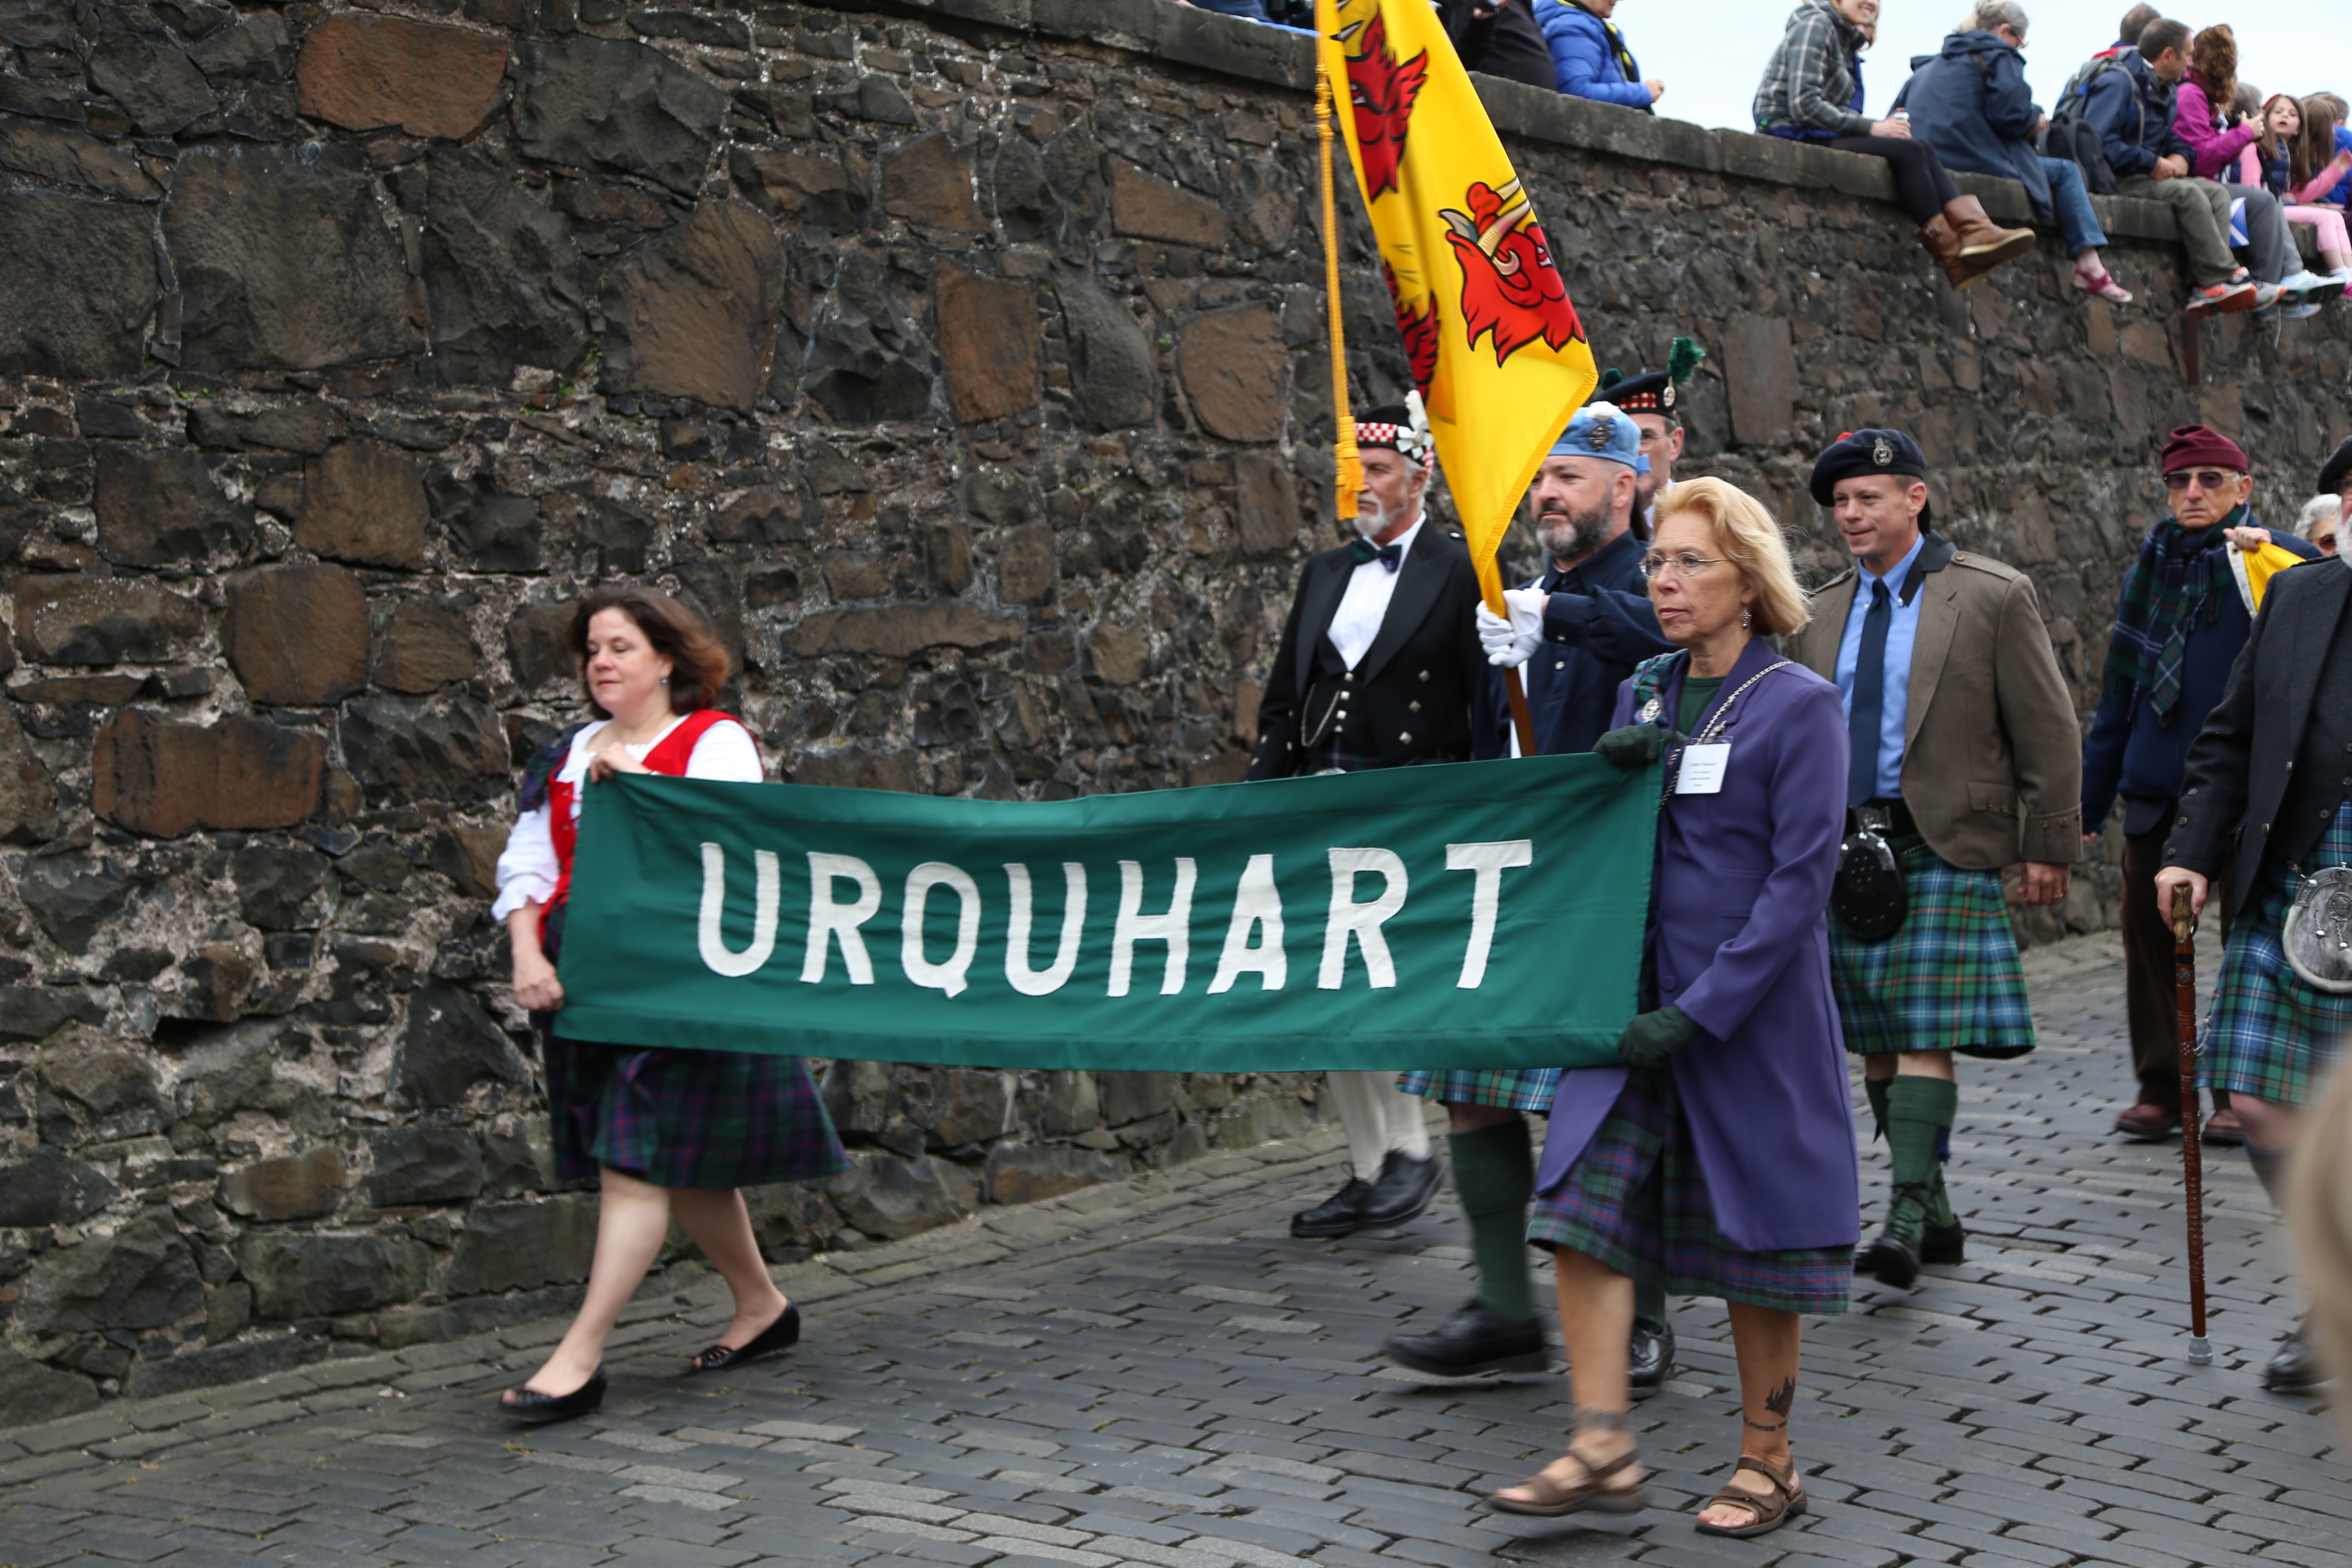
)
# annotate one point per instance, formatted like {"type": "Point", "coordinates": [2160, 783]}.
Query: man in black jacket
{"type": "Point", "coordinates": [1379, 661]}
{"type": "Point", "coordinates": [2268, 803]}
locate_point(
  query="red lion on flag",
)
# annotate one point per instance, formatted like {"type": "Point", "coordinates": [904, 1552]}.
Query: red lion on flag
{"type": "Point", "coordinates": [1381, 90]}
{"type": "Point", "coordinates": [1419, 329]}
{"type": "Point", "coordinates": [1509, 286]}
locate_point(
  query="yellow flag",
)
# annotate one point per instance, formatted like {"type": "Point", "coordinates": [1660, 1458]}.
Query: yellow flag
{"type": "Point", "coordinates": [1496, 347]}
{"type": "Point", "coordinates": [2255, 569]}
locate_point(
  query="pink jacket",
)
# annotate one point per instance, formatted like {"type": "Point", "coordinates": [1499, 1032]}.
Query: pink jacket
{"type": "Point", "coordinates": [2210, 150]}
{"type": "Point", "coordinates": [2250, 173]}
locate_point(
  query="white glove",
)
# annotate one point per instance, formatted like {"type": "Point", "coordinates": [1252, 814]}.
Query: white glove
{"type": "Point", "coordinates": [1511, 643]}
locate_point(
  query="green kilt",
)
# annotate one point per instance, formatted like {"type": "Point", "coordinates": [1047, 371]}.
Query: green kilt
{"type": "Point", "coordinates": [1948, 980]}
{"type": "Point", "coordinates": [1504, 1089]}
{"type": "Point", "coordinates": [2270, 1033]}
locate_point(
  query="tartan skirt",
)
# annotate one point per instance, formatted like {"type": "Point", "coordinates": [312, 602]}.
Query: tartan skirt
{"type": "Point", "coordinates": [1948, 980]}
{"type": "Point", "coordinates": [2269, 1032]}
{"type": "Point", "coordinates": [685, 1118]}
{"type": "Point", "coordinates": [1635, 1201]}
{"type": "Point", "coordinates": [1505, 1088]}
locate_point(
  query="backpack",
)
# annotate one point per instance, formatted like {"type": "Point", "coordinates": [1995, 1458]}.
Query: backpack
{"type": "Point", "coordinates": [2073, 138]}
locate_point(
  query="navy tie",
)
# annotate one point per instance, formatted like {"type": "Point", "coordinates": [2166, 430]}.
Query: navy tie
{"type": "Point", "coordinates": [1869, 697]}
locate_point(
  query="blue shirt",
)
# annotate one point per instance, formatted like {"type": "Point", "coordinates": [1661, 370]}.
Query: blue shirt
{"type": "Point", "coordinates": [1901, 633]}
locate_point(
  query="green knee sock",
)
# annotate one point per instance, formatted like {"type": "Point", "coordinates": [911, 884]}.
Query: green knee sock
{"type": "Point", "coordinates": [1876, 1088]}
{"type": "Point", "coordinates": [2270, 1169]}
{"type": "Point", "coordinates": [1650, 1306]}
{"type": "Point", "coordinates": [1495, 1177]}
{"type": "Point", "coordinates": [1917, 1109]}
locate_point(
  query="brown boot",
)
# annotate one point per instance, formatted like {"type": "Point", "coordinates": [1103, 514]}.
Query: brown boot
{"type": "Point", "coordinates": [1984, 244]}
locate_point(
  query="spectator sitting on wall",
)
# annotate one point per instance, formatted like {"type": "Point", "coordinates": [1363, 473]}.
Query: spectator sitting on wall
{"type": "Point", "coordinates": [2325, 136]}
{"type": "Point", "coordinates": [2271, 162]}
{"type": "Point", "coordinates": [2318, 521]}
{"type": "Point", "coordinates": [2127, 32]}
{"type": "Point", "coordinates": [1589, 55]}
{"type": "Point", "coordinates": [2205, 123]}
{"type": "Point", "coordinates": [1971, 104]}
{"type": "Point", "coordinates": [1499, 38]}
{"type": "Point", "coordinates": [1813, 91]}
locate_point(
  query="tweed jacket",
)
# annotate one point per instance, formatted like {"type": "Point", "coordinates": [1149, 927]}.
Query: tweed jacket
{"type": "Point", "coordinates": [1992, 753]}
{"type": "Point", "coordinates": [2292, 685]}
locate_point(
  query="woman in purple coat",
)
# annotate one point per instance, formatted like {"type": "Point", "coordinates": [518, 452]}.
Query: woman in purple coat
{"type": "Point", "coordinates": [1719, 1159]}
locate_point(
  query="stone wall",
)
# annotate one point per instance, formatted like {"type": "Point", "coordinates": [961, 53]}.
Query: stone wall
{"type": "Point", "coordinates": [963, 362]}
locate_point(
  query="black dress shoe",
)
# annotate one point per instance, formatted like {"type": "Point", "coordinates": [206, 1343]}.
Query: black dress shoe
{"type": "Point", "coordinates": [1404, 1188]}
{"type": "Point", "coordinates": [530, 1404]}
{"type": "Point", "coordinates": [1649, 1360]}
{"type": "Point", "coordinates": [1341, 1214]}
{"type": "Point", "coordinates": [1472, 1341]}
{"type": "Point", "coordinates": [782, 1334]}
{"type": "Point", "coordinates": [2293, 1368]}
{"type": "Point", "coordinates": [1944, 1244]}
{"type": "Point", "coordinates": [1895, 1260]}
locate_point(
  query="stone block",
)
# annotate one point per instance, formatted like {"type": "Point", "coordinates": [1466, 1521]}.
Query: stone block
{"type": "Point", "coordinates": [1261, 1118]}
{"type": "Point", "coordinates": [1070, 1103]}
{"type": "Point", "coordinates": [900, 630]}
{"type": "Point", "coordinates": [363, 501]}
{"type": "Point", "coordinates": [807, 187]}
{"type": "Point", "coordinates": [947, 552]}
{"type": "Point", "coordinates": [1112, 382]}
{"type": "Point", "coordinates": [264, 1356]}
{"type": "Point", "coordinates": [1151, 208]}
{"type": "Point", "coordinates": [166, 778]}
{"type": "Point", "coordinates": [887, 1197]}
{"type": "Point", "coordinates": [248, 227]}
{"type": "Point", "coordinates": [36, 1012]}
{"type": "Point", "coordinates": [424, 1165]}
{"type": "Point", "coordinates": [293, 1187]}
{"type": "Point", "coordinates": [113, 1094]}
{"type": "Point", "coordinates": [791, 1217]}
{"type": "Point", "coordinates": [449, 1045]}
{"type": "Point", "coordinates": [857, 767]}
{"type": "Point", "coordinates": [1230, 365]}
{"type": "Point", "coordinates": [404, 749]}
{"type": "Point", "coordinates": [159, 87]}
{"type": "Point", "coordinates": [505, 283]}
{"type": "Point", "coordinates": [306, 428]}
{"type": "Point", "coordinates": [468, 856]}
{"type": "Point", "coordinates": [1119, 651]}
{"type": "Point", "coordinates": [28, 795]}
{"type": "Point", "coordinates": [73, 896]}
{"type": "Point", "coordinates": [281, 886]}
{"type": "Point", "coordinates": [518, 1159]}
{"type": "Point", "coordinates": [522, 1245]}
{"type": "Point", "coordinates": [610, 106]}
{"type": "Point", "coordinates": [1024, 565]}
{"type": "Point", "coordinates": [102, 620]}
{"type": "Point", "coordinates": [140, 1277]}
{"type": "Point", "coordinates": [296, 634]}
{"type": "Point", "coordinates": [538, 646]}
{"type": "Point", "coordinates": [764, 514]}
{"type": "Point", "coordinates": [988, 343]}
{"type": "Point", "coordinates": [78, 285]}
{"type": "Point", "coordinates": [929, 181]}
{"type": "Point", "coordinates": [233, 1069]}
{"type": "Point", "coordinates": [695, 316]}
{"type": "Point", "coordinates": [1133, 1096]}
{"type": "Point", "coordinates": [50, 1189]}
{"type": "Point", "coordinates": [857, 1095]}
{"type": "Point", "coordinates": [254, 52]}
{"type": "Point", "coordinates": [425, 646]}
{"type": "Point", "coordinates": [312, 1274]}
{"type": "Point", "coordinates": [1024, 1173]}
{"type": "Point", "coordinates": [365, 73]}
{"type": "Point", "coordinates": [32, 1392]}
{"type": "Point", "coordinates": [68, 157]}
{"type": "Point", "coordinates": [1761, 374]}
{"type": "Point", "coordinates": [960, 1106]}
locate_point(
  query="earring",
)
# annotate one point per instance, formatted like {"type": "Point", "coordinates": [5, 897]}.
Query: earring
{"type": "Point", "coordinates": [1744, 618]}
{"type": "Point", "coordinates": [1743, 621]}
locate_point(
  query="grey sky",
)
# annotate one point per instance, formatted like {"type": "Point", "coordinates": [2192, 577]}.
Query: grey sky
{"type": "Point", "coordinates": [1711, 52]}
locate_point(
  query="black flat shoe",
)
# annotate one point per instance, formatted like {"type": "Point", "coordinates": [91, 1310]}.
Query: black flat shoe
{"type": "Point", "coordinates": [1895, 1260]}
{"type": "Point", "coordinates": [1402, 1192]}
{"type": "Point", "coordinates": [531, 1405]}
{"type": "Point", "coordinates": [782, 1334]}
{"type": "Point", "coordinates": [1944, 1244]}
{"type": "Point", "coordinates": [1471, 1343]}
{"type": "Point", "coordinates": [1341, 1214]}
{"type": "Point", "coordinates": [1649, 1360]}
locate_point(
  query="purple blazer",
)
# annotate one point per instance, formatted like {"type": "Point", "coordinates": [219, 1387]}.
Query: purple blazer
{"type": "Point", "coordinates": [1740, 938]}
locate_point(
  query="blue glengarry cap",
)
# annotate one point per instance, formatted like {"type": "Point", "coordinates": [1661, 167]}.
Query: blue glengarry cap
{"type": "Point", "coordinates": [1602, 430]}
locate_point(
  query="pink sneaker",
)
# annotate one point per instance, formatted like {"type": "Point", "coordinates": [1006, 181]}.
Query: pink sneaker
{"type": "Point", "coordinates": [2100, 283]}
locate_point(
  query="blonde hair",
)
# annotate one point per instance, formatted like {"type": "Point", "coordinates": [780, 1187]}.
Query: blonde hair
{"type": "Point", "coordinates": [1751, 541]}
{"type": "Point", "coordinates": [2319, 1207]}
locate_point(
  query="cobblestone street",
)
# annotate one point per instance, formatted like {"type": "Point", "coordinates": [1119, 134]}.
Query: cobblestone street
{"type": "Point", "coordinates": [1156, 1374]}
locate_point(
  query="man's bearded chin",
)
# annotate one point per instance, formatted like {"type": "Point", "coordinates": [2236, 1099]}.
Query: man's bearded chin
{"type": "Point", "coordinates": [1567, 535]}
{"type": "Point", "coordinates": [1371, 518]}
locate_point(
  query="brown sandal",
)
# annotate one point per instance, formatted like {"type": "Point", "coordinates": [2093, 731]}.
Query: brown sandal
{"type": "Point", "coordinates": [1772, 1509]}
{"type": "Point", "coordinates": [1589, 1495]}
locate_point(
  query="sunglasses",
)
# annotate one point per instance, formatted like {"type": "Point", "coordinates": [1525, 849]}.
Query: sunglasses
{"type": "Point", "coordinates": [2207, 478]}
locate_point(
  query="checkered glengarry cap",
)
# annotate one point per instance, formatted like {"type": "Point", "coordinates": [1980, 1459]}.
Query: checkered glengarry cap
{"type": "Point", "coordinates": [1391, 426]}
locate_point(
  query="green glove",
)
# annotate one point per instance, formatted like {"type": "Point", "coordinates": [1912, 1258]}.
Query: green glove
{"type": "Point", "coordinates": [1651, 1040]}
{"type": "Point", "coordinates": [1636, 746]}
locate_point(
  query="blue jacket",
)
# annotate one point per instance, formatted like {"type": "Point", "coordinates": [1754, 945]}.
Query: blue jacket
{"type": "Point", "coordinates": [1598, 624]}
{"type": "Point", "coordinates": [2133, 112]}
{"type": "Point", "coordinates": [2128, 753]}
{"type": "Point", "coordinates": [1583, 62]}
{"type": "Point", "coordinates": [1970, 103]}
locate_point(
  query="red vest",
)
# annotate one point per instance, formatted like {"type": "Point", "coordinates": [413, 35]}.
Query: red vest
{"type": "Point", "coordinates": [671, 756]}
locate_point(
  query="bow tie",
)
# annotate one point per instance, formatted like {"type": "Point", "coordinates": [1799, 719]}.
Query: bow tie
{"type": "Point", "coordinates": [1389, 555]}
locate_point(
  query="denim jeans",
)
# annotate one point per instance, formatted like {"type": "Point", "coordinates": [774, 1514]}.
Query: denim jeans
{"type": "Point", "coordinates": [2076, 222]}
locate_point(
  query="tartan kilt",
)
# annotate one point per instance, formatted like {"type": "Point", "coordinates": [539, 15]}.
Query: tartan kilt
{"type": "Point", "coordinates": [685, 1118]}
{"type": "Point", "coordinates": [1505, 1088]}
{"type": "Point", "coordinates": [2269, 1033]}
{"type": "Point", "coordinates": [1635, 1201]}
{"type": "Point", "coordinates": [1948, 980]}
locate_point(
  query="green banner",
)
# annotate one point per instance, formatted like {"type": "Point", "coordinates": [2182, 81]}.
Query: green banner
{"type": "Point", "coordinates": [1484, 914]}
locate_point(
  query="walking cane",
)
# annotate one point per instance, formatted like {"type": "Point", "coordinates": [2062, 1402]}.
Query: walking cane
{"type": "Point", "coordinates": [2184, 960]}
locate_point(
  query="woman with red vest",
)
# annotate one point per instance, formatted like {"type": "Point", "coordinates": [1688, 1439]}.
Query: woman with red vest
{"type": "Point", "coordinates": [667, 1134]}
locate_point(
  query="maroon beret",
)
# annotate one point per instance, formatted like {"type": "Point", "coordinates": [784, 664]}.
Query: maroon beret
{"type": "Point", "coordinates": [2194, 443]}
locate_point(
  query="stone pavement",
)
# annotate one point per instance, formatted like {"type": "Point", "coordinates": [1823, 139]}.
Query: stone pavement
{"type": "Point", "coordinates": [1159, 1376]}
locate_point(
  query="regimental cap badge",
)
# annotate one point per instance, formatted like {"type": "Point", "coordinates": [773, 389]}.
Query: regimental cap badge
{"type": "Point", "coordinates": [1600, 434]}
{"type": "Point", "coordinates": [1667, 395]}
{"type": "Point", "coordinates": [1882, 451]}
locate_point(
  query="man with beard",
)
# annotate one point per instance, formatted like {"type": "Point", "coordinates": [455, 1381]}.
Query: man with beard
{"type": "Point", "coordinates": [1377, 666]}
{"type": "Point", "coordinates": [1577, 631]}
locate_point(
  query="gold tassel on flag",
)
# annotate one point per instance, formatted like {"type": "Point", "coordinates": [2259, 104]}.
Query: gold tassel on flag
{"type": "Point", "coordinates": [1350, 469]}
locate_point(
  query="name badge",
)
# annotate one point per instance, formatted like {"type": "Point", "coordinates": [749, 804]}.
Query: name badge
{"type": "Point", "coordinates": [1703, 769]}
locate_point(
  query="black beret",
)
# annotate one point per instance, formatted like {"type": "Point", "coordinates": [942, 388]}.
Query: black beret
{"type": "Point", "coordinates": [1653, 392]}
{"type": "Point", "coordinates": [1860, 452]}
{"type": "Point", "coordinates": [2332, 472]}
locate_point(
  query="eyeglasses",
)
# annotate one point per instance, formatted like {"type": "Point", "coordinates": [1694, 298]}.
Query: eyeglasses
{"type": "Point", "coordinates": [1683, 565]}
{"type": "Point", "coordinates": [2207, 478]}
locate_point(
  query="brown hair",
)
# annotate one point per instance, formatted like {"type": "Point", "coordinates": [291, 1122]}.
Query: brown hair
{"type": "Point", "coordinates": [2316, 148]}
{"type": "Point", "coordinates": [698, 665]}
{"type": "Point", "coordinates": [2135, 23]}
{"type": "Point", "coordinates": [2213, 65]}
{"type": "Point", "coordinates": [2160, 35]}
{"type": "Point", "coordinates": [2270, 145]}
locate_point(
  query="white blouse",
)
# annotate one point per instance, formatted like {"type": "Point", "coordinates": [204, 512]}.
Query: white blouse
{"type": "Point", "coordinates": [528, 870]}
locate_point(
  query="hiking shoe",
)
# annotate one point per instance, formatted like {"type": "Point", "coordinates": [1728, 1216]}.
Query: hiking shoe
{"type": "Point", "coordinates": [2222, 298]}
{"type": "Point", "coordinates": [2305, 287]}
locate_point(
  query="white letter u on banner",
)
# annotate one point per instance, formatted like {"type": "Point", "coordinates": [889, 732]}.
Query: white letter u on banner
{"type": "Point", "coordinates": [735, 966]}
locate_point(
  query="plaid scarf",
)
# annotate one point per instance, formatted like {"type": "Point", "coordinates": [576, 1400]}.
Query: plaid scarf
{"type": "Point", "coordinates": [2171, 588]}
